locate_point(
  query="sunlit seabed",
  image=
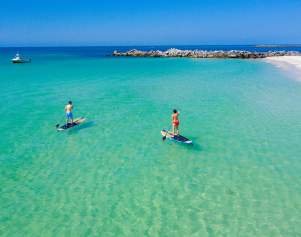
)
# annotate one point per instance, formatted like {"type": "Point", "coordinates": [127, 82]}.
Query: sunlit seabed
{"type": "Point", "coordinates": [114, 176]}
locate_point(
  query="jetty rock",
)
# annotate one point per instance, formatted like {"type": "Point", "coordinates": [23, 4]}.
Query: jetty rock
{"type": "Point", "coordinates": [173, 52]}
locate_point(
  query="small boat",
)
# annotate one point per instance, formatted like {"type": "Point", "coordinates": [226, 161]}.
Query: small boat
{"type": "Point", "coordinates": [19, 59]}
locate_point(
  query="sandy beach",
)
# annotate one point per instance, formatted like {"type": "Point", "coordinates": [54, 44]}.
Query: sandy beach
{"type": "Point", "coordinates": [287, 63]}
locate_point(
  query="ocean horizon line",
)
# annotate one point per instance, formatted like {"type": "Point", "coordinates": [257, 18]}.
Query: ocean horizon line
{"type": "Point", "coordinates": [261, 45]}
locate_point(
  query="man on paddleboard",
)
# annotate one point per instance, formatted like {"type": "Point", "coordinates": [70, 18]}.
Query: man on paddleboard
{"type": "Point", "coordinates": [68, 110]}
{"type": "Point", "coordinates": [175, 122]}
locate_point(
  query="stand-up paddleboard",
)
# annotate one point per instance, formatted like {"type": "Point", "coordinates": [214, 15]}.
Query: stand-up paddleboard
{"type": "Point", "coordinates": [76, 122]}
{"type": "Point", "coordinates": [177, 138]}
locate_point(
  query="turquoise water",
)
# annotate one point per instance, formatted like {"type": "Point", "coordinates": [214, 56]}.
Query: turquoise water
{"type": "Point", "coordinates": [113, 176]}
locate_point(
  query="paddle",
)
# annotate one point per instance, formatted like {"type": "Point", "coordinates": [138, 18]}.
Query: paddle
{"type": "Point", "coordinates": [58, 125]}
{"type": "Point", "coordinates": [164, 137]}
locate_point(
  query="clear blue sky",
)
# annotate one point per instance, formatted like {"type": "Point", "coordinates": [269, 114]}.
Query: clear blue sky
{"type": "Point", "coordinates": [148, 22]}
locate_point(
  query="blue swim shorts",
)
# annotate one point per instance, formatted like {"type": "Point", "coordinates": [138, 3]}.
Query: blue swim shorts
{"type": "Point", "coordinates": [69, 115]}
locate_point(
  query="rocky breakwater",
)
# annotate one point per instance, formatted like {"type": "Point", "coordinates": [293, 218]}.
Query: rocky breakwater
{"type": "Point", "coordinates": [204, 54]}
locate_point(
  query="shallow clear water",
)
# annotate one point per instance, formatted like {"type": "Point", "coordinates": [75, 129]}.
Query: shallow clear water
{"type": "Point", "coordinates": [113, 176]}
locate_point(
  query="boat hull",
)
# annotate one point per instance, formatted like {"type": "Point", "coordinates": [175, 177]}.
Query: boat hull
{"type": "Point", "coordinates": [21, 61]}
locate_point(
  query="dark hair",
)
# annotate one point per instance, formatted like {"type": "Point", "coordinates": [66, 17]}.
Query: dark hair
{"type": "Point", "coordinates": [70, 102]}
{"type": "Point", "coordinates": [175, 111]}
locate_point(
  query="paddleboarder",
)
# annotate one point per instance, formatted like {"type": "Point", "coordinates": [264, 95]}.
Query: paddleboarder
{"type": "Point", "coordinates": [175, 122]}
{"type": "Point", "coordinates": [68, 110]}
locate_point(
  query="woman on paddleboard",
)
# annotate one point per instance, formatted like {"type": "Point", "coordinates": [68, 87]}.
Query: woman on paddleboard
{"type": "Point", "coordinates": [175, 122]}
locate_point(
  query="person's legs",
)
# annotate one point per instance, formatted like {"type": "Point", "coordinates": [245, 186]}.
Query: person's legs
{"type": "Point", "coordinates": [71, 117]}
{"type": "Point", "coordinates": [176, 130]}
{"type": "Point", "coordinates": [173, 129]}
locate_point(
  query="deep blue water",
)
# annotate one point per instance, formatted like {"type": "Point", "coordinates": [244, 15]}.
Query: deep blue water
{"type": "Point", "coordinates": [104, 51]}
